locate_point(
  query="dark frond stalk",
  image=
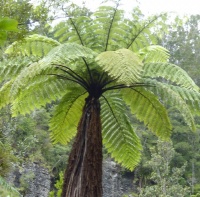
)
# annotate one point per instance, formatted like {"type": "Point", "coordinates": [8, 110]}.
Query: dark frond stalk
{"type": "Point", "coordinates": [79, 36]}
{"type": "Point", "coordinates": [69, 79]}
{"type": "Point", "coordinates": [83, 177]}
{"type": "Point", "coordinates": [141, 30]}
{"type": "Point", "coordinates": [121, 86]}
{"type": "Point", "coordinates": [111, 24]}
{"type": "Point", "coordinates": [72, 74]}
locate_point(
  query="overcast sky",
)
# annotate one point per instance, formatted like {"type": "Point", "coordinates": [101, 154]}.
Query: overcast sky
{"type": "Point", "coordinates": [149, 7]}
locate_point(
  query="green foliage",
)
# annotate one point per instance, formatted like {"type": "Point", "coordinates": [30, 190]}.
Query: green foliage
{"type": "Point", "coordinates": [6, 25]}
{"type": "Point", "coordinates": [98, 53]}
{"type": "Point", "coordinates": [122, 65]}
{"type": "Point", "coordinates": [58, 186]}
{"type": "Point", "coordinates": [166, 180]}
{"type": "Point", "coordinates": [66, 116]}
{"type": "Point", "coordinates": [7, 189]}
{"type": "Point", "coordinates": [148, 109]}
{"type": "Point", "coordinates": [118, 134]}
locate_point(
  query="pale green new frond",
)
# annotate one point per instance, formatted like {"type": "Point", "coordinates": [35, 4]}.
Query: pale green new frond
{"type": "Point", "coordinates": [39, 92]}
{"type": "Point", "coordinates": [122, 65]}
{"type": "Point", "coordinates": [153, 54]}
{"type": "Point", "coordinates": [118, 134]}
{"type": "Point", "coordinates": [170, 72]}
{"type": "Point", "coordinates": [147, 108]}
{"type": "Point", "coordinates": [66, 116]}
{"type": "Point", "coordinates": [173, 96]}
{"type": "Point", "coordinates": [35, 45]}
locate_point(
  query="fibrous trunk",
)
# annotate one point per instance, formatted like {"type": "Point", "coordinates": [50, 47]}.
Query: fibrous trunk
{"type": "Point", "coordinates": [83, 177]}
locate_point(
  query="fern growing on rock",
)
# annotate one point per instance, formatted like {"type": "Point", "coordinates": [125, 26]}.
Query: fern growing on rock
{"type": "Point", "coordinates": [102, 68]}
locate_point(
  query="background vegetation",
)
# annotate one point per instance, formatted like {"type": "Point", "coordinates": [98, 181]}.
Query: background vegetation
{"type": "Point", "coordinates": [26, 138]}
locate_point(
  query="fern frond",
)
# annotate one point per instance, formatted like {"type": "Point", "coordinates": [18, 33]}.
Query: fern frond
{"type": "Point", "coordinates": [170, 72]}
{"type": "Point", "coordinates": [39, 91]}
{"type": "Point", "coordinates": [118, 134]}
{"type": "Point", "coordinates": [35, 45]}
{"type": "Point", "coordinates": [149, 109]}
{"type": "Point", "coordinates": [153, 54]}
{"type": "Point", "coordinates": [64, 54]}
{"type": "Point", "coordinates": [5, 94]}
{"type": "Point", "coordinates": [11, 67]}
{"type": "Point", "coordinates": [75, 30]}
{"type": "Point", "coordinates": [122, 65]}
{"type": "Point", "coordinates": [175, 96]}
{"type": "Point", "coordinates": [192, 98]}
{"type": "Point", "coordinates": [140, 34]}
{"type": "Point", "coordinates": [67, 113]}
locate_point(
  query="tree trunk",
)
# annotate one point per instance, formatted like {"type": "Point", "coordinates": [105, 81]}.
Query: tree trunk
{"type": "Point", "coordinates": [83, 176]}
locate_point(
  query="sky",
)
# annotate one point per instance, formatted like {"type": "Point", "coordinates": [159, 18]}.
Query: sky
{"type": "Point", "coordinates": [149, 7]}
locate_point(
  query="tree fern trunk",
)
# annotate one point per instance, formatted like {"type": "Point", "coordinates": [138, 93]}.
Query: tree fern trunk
{"type": "Point", "coordinates": [83, 177]}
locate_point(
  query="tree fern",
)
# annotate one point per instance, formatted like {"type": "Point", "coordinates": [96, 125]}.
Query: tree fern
{"type": "Point", "coordinates": [103, 64]}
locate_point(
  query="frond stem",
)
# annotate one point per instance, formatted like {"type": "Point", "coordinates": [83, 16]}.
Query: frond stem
{"type": "Point", "coordinates": [79, 36]}
{"type": "Point", "coordinates": [141, 30]}
{"type": "Point", "coordinates": [73, 74]}
{"type": "Point", "coordinates": [69, 79]}
{"type": "Point", "coordinates": [121, 86]}
{"type": "Point", "coordinates": [110, 108]}
{"type": "Point", "coordinates": [111, 24]}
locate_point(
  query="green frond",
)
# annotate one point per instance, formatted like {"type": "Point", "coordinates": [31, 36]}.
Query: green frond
{"type": "Point", "coordinates": [147, 108]}
{"type": "Point", "coordinates": [66, 116]}
{"type": "Point", "coordinates": [107, 27]}
{"type": "Point", "coordinates": [40, 91]}
{"type": "Point", "coordinates": [122, 65]}
{"type": "Point", "coordinates": [118, 134]}
{"type": "Point", "coordinates": [75, 30]}
{"type": "Point", "coordinates": [177, 97]}
{"type": "Point", "coordinates": [35, 45]}
{"type": "Point", "coordinates": [5, 94]}
{"type": "Point", "coordinates": [140, 33]}
{"type": "Point", "coordinates": [192, 98]}
{"type": "Point", "coordinates": [153, 54]}
{"type": "Point", "coordinates": [170, 72]}
{"type": "Point", "coordinates": [11, 67]}
{"type": "Point", "coordinates": [68, 52]}
{"type": "Point", "coordinates": [65, 54]}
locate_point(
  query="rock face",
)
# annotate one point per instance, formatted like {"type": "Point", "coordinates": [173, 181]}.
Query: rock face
{"type": "Point", "coordinates": [33, 179]}
{"type": "Point", "coordinates": [39, 185]}
{"type": "Point", "coordinates": [115, 183]}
